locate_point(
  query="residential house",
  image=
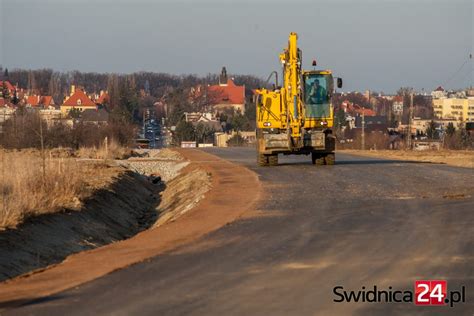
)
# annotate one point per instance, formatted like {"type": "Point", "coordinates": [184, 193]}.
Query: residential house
{"type": "Point", "coordinates": [365, 111]}
{"type": "Point", "coordinates": [355, 109]}
{"type": "Point", "coordinates": [32, 101]}
{"type": "Point", "coordinates": [192, 116]}
{"type": "Point", "coordinates": [226, 95]}
{"type": "Point", "coordinates": [48, 102]}
{"type": "Point", "coordinates": [45, 102]}
{"type": "Point", "coordinates": [453, 105]}
{"type": "Point", "coordinates": [206, 118]}
{"type": "Point", "coordinates": [444, 123]}
{"type": "Point", "coordinates": [397, 107]}
{"type": "Point", "coordinates": [102, 99]}
{"type": "Point", "coordinates": [372, 123]}
{"type": "Point", "coordinates": [439, 93]}
{"type": "Point", "coordinates": [200, 117]}
{"type": "Point", "coordinates": [11, 88]}
{"type": "Point", "coordinates": [419, 126]}
{"type": "Point", "coordinates": [79, 100]}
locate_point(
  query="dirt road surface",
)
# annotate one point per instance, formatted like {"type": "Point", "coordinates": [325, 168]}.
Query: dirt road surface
{"type": "Point", "coordinates": [362, 222]}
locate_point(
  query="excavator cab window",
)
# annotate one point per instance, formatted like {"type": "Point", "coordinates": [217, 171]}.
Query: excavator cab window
{"type": "Point", "coordinates": [317, 92]}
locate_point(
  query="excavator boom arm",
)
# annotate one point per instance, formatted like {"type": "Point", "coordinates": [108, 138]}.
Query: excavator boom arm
{"type": "Point", "coordinates": [291, 89]}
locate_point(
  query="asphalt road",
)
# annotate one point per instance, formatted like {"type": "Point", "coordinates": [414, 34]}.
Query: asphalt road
{"type": "Point", "coordinates": [362, 222]}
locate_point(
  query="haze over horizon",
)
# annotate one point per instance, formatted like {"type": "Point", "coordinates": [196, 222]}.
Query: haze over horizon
{"type": "Point", "coordinates": [376, 45]}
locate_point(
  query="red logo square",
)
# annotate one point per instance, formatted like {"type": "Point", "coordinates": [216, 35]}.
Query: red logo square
{"type": "Point", "coordinates": [430, 292]}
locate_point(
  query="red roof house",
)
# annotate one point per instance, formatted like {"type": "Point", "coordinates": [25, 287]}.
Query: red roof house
{"type": "Point", "coordinates": [365, 111]}
{"type": "Point", "coordinates": [354, 109]}
{"type": "Point", "coordinates": [33, 100]}
{"type": "Point", "coordinates": [36, 100]}
{"type": "Point", "coordinates": [103, 98]}
{"type": "Point", "coordinates": [47, 100]}
{"type": "Point", "coordinates": [398, 98]}
{"type": "Point", "coordinates": [79, 98]}
{"type": "Point", "coordinates": [10, 87]}
{"type": "Point", "coordinates": [227, 95]}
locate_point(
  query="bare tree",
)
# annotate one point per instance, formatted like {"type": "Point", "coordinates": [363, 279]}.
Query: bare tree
{"type": "Point", "coordinates": [113, 89]}
{"type": "Point", "coordinates": [31, 82]}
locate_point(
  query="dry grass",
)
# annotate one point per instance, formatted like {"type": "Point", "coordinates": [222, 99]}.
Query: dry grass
{"type": "Point", "coordinates": [26, 191]}
{"type": "Point", "coordinates": [158, 154]}
{"type": "Point", "coordinates": [112, 151]}
{"type": "Point", "coordinates": [166, 154]}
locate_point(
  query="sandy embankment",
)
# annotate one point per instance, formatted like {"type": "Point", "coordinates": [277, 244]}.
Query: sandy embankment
{"type": "Point", "coordinates": [234, 191]}
{"type": "Point", "coordinates": [458, 158]}
{"type": "Point", "coordinates": [182, 192]}
{"type": "Point", "coordinates": [122, 207]}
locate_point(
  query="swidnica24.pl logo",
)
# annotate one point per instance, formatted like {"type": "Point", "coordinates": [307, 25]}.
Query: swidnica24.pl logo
{"type": "Point", "coordinates": [425, 292]}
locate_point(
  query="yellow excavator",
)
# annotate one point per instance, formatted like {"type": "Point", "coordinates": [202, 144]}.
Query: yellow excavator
{"type": "Point", "coordinates": [296, 118]}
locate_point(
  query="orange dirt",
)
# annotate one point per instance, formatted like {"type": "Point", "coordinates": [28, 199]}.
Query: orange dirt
{"type": "Point", "coordinates": [235, 191]}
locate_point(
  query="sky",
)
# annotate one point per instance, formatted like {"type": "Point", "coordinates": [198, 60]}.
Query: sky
{"type": "Point", "coordinates": [377, 45]}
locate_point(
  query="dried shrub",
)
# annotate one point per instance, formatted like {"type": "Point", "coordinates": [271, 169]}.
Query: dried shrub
{"type": "Point", "coordinates": [26, 130]}
{"type": "Point", "coordinates": [26, 191]}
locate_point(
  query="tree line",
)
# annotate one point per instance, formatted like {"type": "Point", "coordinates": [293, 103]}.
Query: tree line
{"type": "Point", "coordinates": [49, 82]}
{"type": "Point", "coordinates": [129, 94]}
{"type": "Point", "coordinates": [26, 129]}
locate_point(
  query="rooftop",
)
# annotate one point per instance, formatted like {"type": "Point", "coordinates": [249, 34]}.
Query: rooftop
{"type": "Point", "coordinates": [79, 98]}
{"type": "Point", "coordinates": [229, 93]}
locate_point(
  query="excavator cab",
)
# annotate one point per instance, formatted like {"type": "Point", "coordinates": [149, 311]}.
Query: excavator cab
{"type": "Point", "coordinates": [318, 90]}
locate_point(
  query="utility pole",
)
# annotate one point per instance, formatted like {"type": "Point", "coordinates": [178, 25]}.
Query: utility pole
{"type": "Point", "coordinates": [363, 128]}
{"type": "Point", "coordinates": [410, 121]}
